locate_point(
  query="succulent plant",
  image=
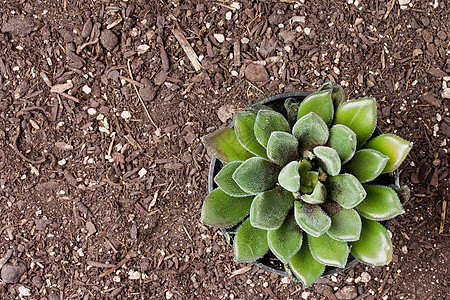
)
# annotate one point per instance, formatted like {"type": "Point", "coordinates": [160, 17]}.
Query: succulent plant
{"type": "Point", "coordinates": [303, 183]}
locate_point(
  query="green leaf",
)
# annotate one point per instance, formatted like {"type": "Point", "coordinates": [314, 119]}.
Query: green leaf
{"type": "Point", "coordinates": [328, 159]}
{"type": "Point", "coordinates": [222, 210]}
{"type": "Point", "coordinates": [338, 94]}
{"type": "Point", "coordinates": [269, 209]}
{"type": "Point", "coordinates": [244, 123]}
{"type": "Point", "coordinates": [343, 140]}
{"type": "Point", "coordinates": [224, 144]}
{"type": "Point", "coordinates": [250, 243]}
{"type": "Point", "coordinates": [393, 147]}
{"type": "Point", "coordinates": [328, 251]}
{"type": "Point", "coordinates": [257, 107]}
{"type": "Point", "coordinates": [318, 195]}
{"type": "Point", "coordinates": [366, 164]}
{"type": "Point", "coordinates": [268, 121]}
{"type": "Point", "coordinates": [305, 267]}
{"type": "Point", "coordinates": [308, 181]}
{"type": "Point", "coordinates": [345, 225]}
{"type": "Point", "coordinates": [226, 182]}
{"type": "Point", "coordinates": [345, 189]}
{"type": "Point", "coordinates": [360, 116]}
{"type": "Point", "coordinates": [381, 203]}
{"type": "Point", "coordinates": [285, 241]}
{"type": "Point", "coordinates": [289, 177]}
{"type": "Point", "coordinates": [282, 147]}
{"type": "Point", "coordinates": [311, 218]}
{"type": "Point", "coordinates": [310, 131]}
{"type": "Point", "coordinates": [256, 175]}
{"type": "Point", "coordinates": [374, 246]}
{"type": "Point", "coordinates": [319, 103]}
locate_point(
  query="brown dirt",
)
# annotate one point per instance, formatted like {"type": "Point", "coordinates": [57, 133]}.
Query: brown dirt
{"type": "Point", "coordinates": [99, 201]}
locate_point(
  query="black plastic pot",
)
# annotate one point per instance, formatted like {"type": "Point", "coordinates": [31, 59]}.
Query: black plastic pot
{"type": "Point", "coordinates": [269, 262]}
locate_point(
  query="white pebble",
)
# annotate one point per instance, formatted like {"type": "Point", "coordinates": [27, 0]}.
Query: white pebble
{"type": "Point", "coordinates": [305, 295]}
{"type": "Point", "coordinates": [86, 89]}
{"type": "Point", "coordinates": [142, 172]}
{"type": "Point", "coordinates": [234, 73]}
{"type": "Point", "coordinates": [228, 15]}
{"type": "Point", "coordinates": [307, 30]}
{"type": "Point", "coordinates": [24, 291]}
{"type": "Point", "coordinates": [116, 278]}
{"type": "Point", "coordinates": [62, 162]}
{"type": "Point", "coordinates": [125, 115]}
{"type": "Point", "coordinates": [245, 40]}
{"type": "Point", "coordinates": [300, 19]}
{"type": "Point", "coordinates": [219, 37]}
{"type": "Point", "coordinates": [134, 275]}
{"type": "Point", "coordinates": [336, 70]}
{"type": "Point", "coordinates": [169, 295]}
{"type": "Point", "coordinates": [365, 277]}
{"type": "Point", "coordinates": [141, 49]}
{"type": "Point", "coordinates": [92, 111]}
{"type": "Point", "coordinates": [285, 280]}
{"type": "Point", "coordinates": [236, 5]}
{"type": "Point", "coordinates": [80, 252]}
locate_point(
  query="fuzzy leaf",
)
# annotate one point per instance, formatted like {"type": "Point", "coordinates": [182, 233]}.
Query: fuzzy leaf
{"type": "Point", "coordinates": [311, 218]}
{"type": "Point", "coordinates": [268, 121]}
{"type": "Point", "coordinates": [289, 177]}
{"type": "Point", "coordinates": [338, 94]}
{"type": "Point", "coordinates": [320, 103]}
{"type": "Point", "coordinates": [282, 147]}
{"type": "Point", "coordinates": [366, 164]}
{"type": "Point", "coordinates": [226, 182]}
{"type": "Point", "coordinates": [305, 267]}
{"type": "Point", "coordinates": [345, 225]}
{"type": "Point", "coordinates": [374, 246]}
{"type": "Point", "coordinates": [256, 175]}
{"type": "Point", "coordinates": [381, 203]}
{"type": "Point", "coordinates": [250, 243]}
{"type": "Point", "coordinates": [360, 116]}
{"type": "Point", "coordinates": [244, 124]}
{"type": "Point", "coordinates": [318, 195]}
{"type": "Point", "coordinates": [285, 241]}
{"type": "Point", "coordinates": [343, 140]}
{"type": "Point", "coordinates": [269, 209]}
{"type": "Point", "coordinates": [310, 131]}
{"type": "Point", "coordinates": [328, 159]}
{"type": "Point", "coordinates": [328, 251]}
{"type": "Point", "coordinates": [345, 189]}
{"type": "Point", "coordinates": [224, 144]}
{"type": "Point", "coordinates": [393, 147]}
{"type": "Point", "coordinates": [222, 210]}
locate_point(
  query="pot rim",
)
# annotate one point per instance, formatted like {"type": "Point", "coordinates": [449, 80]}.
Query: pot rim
{"type": "Point", "coordinates": [215, 165]}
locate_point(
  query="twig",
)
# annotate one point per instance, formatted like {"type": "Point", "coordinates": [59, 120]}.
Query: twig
{"type": "Point", "coordinates": [444, 209]}
{"type": "Point", "coordinates": [5, 258]}
{"type": "Point", "coordinates": [158, 131]}
{"type": "Point", "coordinates": [390, 7]}
{"type": "Point", "coordinates": [81, 47]}
{"type": "Point", "coordinates": [39, 160]}
{"type": "Point", "coordinates": [99, 264]}
{"type": "Point", "coordinates": [131, 81]}
{"type": "Point", "coordinates": [187, 49]}
{"type": "Point", "coordinates": [129, 256]}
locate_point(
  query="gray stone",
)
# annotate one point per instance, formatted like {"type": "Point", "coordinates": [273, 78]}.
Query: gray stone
{"type": "Point", "coordinates": [12, 273]}
{"type": "Point", "coordinates": [108, 39]}
{"type": "Point", "coordinates": [256, 73]}
{"type": "Point", "coordinates": [347, 292]}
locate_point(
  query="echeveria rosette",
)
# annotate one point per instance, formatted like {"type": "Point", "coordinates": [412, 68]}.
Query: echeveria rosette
{"type": "Point", "coordinates": [302, 183]}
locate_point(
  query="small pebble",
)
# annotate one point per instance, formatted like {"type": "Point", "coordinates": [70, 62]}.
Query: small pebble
{"type": "Point", "coordinates": [228, 15]}
{"type": "Point", "coordinates": [307, 30]}
{"type": "Point", "coordinates": [141, 49]}
{"type": "Point", "coordinates": [125, 115]}
{"type": "Point", "coordinates": [142, 172]}
{"type": "Point", "coordinates": [92, 111]}
{"type": "Point", "coordinates": [219, 37]}
{"type": "Point", "coordinates": [87, 90]}
{"type": "Point", "coordinates": [24, 291]}
{"type": "Point", "coordinates": [62, 162]}
{"type": "Point", "coordinates": [12, 273]}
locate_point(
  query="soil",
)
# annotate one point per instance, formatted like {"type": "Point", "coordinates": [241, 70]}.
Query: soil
{"type": "Point", "coordinates": [102, 107]}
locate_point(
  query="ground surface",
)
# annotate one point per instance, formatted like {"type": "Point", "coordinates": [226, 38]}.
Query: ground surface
{"type": "Point", "coordinates": [99, 198]}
